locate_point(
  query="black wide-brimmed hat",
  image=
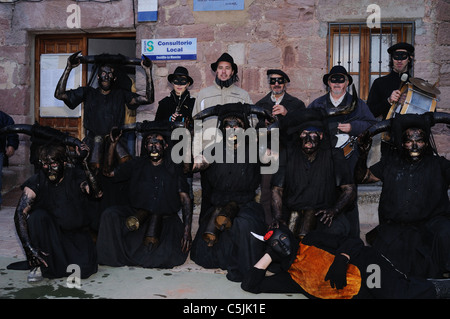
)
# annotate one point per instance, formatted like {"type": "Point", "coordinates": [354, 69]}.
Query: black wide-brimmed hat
{"type": "Point", "coordinates": [180, 71]}
{"type": "Point", "coordinates": [337, 69]}
{"type": "Point", "coordinates": [279, 72]}
{"type": "Point", "coordinates": [401, 46]}
{"type": "Point", "coordinates": [226, 58]}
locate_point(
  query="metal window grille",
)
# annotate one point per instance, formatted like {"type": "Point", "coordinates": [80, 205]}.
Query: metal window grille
{"type": "Point", "coordinates": [363, 50]}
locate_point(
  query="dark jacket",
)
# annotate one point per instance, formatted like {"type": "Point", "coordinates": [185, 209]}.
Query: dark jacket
{"type": "Point", "coordinates": [290, 102]}
{"type": "Point", "coordinates": [168, 105]}
{"type": "Point", "coordinates": [9, 139]}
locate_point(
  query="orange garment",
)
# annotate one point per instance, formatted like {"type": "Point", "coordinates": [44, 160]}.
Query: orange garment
{"type": "Point", "coordinates": [310, 268]}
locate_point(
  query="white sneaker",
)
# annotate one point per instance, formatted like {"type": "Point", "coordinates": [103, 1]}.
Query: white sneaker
{"type": "Point", "coordinates": [35, 275]}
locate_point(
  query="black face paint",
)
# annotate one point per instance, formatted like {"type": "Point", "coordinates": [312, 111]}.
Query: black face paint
{"type": "Point", "coordinates": [414, 144]}
{"type": "Point", "coordinates": [155, 146]}
{"type": "Point", "coordinates": [232, 123]}
{"type": "Point", "coordinates": [106, 78]}
{"type": "Point", "coordinates": [310, 141]}
{"type": "Point", "coordinates": [53, 170]}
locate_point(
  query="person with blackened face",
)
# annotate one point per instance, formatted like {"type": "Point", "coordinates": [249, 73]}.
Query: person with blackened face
{"type": "Point", "coordinates": [345, 128]}
{"type": "Point", "coordinates": [51, 218]}
{"type": "Point", "coordinates": [313, 187]}
{"type": "Point", "coordinates": [148, 231]}
{"type": "Point", "coordinates": [414, 208]}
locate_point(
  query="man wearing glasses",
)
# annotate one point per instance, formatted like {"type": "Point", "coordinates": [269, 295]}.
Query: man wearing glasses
{"type": "Point", "coordinates": [278, 103]}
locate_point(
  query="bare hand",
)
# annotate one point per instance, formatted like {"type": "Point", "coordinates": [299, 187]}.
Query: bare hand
{"type": "Point", "coordinates": [327, 215]}
{"type": "Point", "coordinates": [395, 95]}
{"type": "Point", "coordinates": [279, 109]}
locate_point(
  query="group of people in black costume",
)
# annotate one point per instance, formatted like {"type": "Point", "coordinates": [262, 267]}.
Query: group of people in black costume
{"type": "Point", "coordinates": [106, 206]}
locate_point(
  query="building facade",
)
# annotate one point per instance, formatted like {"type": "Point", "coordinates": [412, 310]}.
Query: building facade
{"type": "Point", "coordinates": [305, 38]}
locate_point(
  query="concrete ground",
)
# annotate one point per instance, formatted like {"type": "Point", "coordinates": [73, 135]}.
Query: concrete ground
{"type": "Point", "coordinates": [188, 281]}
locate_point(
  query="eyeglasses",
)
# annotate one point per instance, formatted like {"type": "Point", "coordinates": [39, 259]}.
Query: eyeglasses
{"type": "Point", "coordinates": [400, 56]}
{"type": "Point", "coordinates": [337, 78]}
{"type": "Point", "coordinates": [272, 81]}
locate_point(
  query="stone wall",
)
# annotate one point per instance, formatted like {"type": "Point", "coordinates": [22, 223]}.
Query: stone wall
{"type": "Point", "coordinates": [286, 34]}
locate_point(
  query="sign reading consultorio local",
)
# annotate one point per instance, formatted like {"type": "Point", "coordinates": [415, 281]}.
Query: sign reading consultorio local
{"type": "Point", "coordinates": [170, 49]}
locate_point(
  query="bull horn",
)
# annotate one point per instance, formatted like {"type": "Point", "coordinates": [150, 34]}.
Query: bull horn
{"type": "Point", "coordinates": [441, 117]}
{"type": "Point", "coordinates": [210, 111]}
{"type": "Point", "coordinates": [258, 110]}
{"type": "Point", "coordinates": [109, 59]}
{"type": "Point", "coordinates": [45, 132]}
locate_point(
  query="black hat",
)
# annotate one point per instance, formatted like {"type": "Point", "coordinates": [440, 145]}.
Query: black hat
{"type": "Point", "coordinates": [180, 71]}
{"type": "Point", "coordinates": [401, 45]}
{"type": "Point", "coordinates": [337, 69]}
{"type": "Point", "coordinates": [227, 58]}
{"type": "Point", "coordinates": [279, 72]}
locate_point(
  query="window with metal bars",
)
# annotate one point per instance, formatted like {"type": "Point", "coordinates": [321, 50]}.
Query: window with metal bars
{"type": "Point", "coordinates": [363, 50]}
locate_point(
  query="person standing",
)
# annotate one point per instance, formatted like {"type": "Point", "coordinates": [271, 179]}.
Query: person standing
{"type": "Point", "coordinates": [278, 103]}
{"type": "Point", "coordinates": [9, 143]}
{"type": "Point", "coordinates": [348, 125]}
{"type": "Point", "coordinates": [223, 91]}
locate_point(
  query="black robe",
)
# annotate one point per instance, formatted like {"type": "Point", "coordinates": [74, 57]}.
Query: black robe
{"type": "Point", "coordinates": [414, 214]}
{"type": "Point", "coordinates": [58, 224]}
{"type": "Point", "coordinates": [313, 185]}
{"type": "Point", "coordinates": [236, 250]}
{"type": "Point", "coordinates": [392, 283]}
{"type": "Point", "coordinates": [155, 189]}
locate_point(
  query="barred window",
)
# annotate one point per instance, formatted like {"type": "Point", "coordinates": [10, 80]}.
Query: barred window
{"type": "Point", "coordinates": [363, 50]}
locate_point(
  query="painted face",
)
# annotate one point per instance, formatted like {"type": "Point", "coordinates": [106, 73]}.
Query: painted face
{"type": "Point", "coordinates": [224, 71]}
{"type": "Point", "coordinates": [414, 144]}
{"type": "Point", "coordinates": [155, 146]}
{"type": "Point", "coordinates": [232, 123]}
{"type": "Point", "coordinates": [310, 141]}
{"type": "Point", "coordinates": [277, 84]}
{"type": "Point", "coordinates": [53, 170]}
{"type": "Point", "coordinates": [106, 78]}
{"type": "Point", "coordinates": [400, 59]}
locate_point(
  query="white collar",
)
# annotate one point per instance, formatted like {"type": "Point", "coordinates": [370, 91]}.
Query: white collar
{"type": "Point", "coordinates": [338, 101]}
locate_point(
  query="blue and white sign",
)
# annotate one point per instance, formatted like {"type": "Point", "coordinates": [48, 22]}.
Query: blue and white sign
{"type": "Point", "coordinates": [170, 49]}
{"type": "Point", "coordinates": [147, 10]}
{"type": "Point", "coordinates": [218, 5]}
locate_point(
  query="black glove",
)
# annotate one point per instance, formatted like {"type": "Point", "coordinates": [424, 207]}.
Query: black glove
{"type": "Point", "coordinates": [337, 273]}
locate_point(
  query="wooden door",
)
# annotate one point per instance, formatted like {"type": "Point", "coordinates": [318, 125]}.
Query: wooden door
{"type": "Point", "coordinates": [48, 44]}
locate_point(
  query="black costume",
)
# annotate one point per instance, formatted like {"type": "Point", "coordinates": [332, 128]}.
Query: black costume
{"type": "Point", "coordinates": [307, 268]}
{"type": "Point", "coordinates": [58, 224]}
{"type": "Point", "coordinates": [380, 91]}
{"type": "Point", "coordinates": [291, 103]}
{"type": "Point", "coordinates": [155, 189]}
{"type": "Point", "coordinates": [236, 250]}
{"type": "Point", "coordinates": [414, 214]}
{"type": "Point", "coordinates": [102, 112]}
{"type": "Point", "coordinates": [313, 185]}
{"type": "Point", "coordinates": [169, 104]}
{"type": "Point", "coordinates": [360, 119]}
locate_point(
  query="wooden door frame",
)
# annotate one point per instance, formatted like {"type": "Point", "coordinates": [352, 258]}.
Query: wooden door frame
{"type": "Point", "coordinates": [83, 38]}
